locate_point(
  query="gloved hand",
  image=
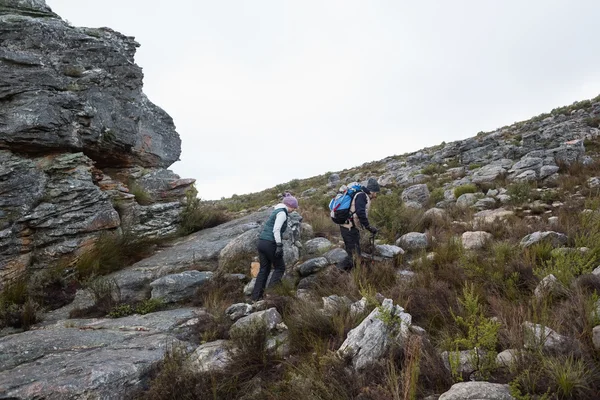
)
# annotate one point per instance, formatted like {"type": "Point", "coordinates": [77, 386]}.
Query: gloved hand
{"type": "Point", "coordinates": [372, 229]}
{"type": "Point", "coordinates": [279, 250]}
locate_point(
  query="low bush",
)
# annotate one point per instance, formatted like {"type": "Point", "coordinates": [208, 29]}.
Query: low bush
{"type": "Point", "coordinates": [466, 188]}
{"type": "Point", "coordinates": [198, 215]}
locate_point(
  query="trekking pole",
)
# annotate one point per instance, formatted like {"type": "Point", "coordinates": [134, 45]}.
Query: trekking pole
{"type": "Point", "coordinates": [373, 249]}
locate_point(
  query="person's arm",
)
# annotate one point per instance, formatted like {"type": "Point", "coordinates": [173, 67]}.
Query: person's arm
{"type": "Point", "coordinates": [279, 221]}
{"type": "Point", "coordinates": [360, 206]}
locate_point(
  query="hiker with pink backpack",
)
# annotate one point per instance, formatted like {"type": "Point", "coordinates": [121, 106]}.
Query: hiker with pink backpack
{"type": "Point", "coordinates": [350, 210]}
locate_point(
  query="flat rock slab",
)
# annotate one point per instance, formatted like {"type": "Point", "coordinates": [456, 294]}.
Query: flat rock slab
{"type": "Point", "coordinates": [200, 250]}
{"type": "Point", "coordinates": [94, 358]}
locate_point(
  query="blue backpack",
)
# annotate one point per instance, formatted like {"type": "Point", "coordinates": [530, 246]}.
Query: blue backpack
{"type": "Point", "coordinates": [340, 204]}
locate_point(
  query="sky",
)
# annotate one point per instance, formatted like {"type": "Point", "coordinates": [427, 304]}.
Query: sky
{"type": "Point", "coordinates": [266, 91]}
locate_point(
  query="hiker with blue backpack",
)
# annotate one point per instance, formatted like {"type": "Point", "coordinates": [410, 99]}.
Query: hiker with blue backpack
{"type": "Point", "coordinates": [270, 246]}
{"type": "Point", "coordinates": [350, 210]}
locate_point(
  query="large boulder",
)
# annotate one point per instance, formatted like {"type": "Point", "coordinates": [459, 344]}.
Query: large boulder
{"type": "Point", "coordinates": [413, 241]}
{"type": "Point", "coordinates": [416, 194]}
{"type": "Point", "coordinates": [93, 359]}
{"type": "Point", "coordinates": [371, 340]}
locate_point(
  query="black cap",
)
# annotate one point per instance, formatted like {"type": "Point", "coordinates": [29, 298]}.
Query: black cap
{"type": "Point", "coordinates": [373, 185]}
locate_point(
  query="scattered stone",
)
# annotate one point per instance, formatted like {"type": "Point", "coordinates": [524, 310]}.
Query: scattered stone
{"type": "Point", "coordinates": [317, 246]}
{"type": "Point", "coordinates": [478, 391]}
{"type": "Point", "coordinates": [413, 241]}
{"type": "Point", "coordinates": [547, 286]}
{"type": "Point", "coordinates": [211, 357]}
{"type": "Point", "coordinates": [596, 337]}
{"type": "Point", "coordinates": [539, 336]}
{"type": "Point", "coordinates": [336, 255]}
{"type": "Point", "coordinates": [238, 310]}
{"type": "Point", "coordinates": [475, 240]}
{"type": "Point", "coordinates": [388, 251]}
{"type": "Point", "coordinates": [312, 266]}
{"type": "Point", "coordinates": [490, 216]}
{"type": "Point", "coordinates": [467, 200]}
{"type": "Point", "coordinates": [554, 238]}
{"type": "Point", "coordinates": [507, 358]}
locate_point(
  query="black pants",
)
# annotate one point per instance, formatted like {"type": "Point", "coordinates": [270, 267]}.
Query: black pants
{"type": "Point", "coordinates": [352, 243]}
{"type": "Point", "coordinates": [266, 255]}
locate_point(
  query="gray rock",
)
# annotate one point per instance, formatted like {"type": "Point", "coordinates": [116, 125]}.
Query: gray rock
{"type": "Point", "coordinates": [548, 170]}
{"type": "Point", "coordinates": [317, 246]}
{"type": "Point", "coordinates": [434, 214]}
{"type": "Point", "coordinates": [358, 307]}
{"type": "Point", "coordinates": [198, 250]}
{"type": "Point", "coordinates": [387, 250]}
{"type": "Point", "coordinates": [475, 240]}
{"type": "Point", "coordinates": [238, 310]}
{"type": "Point", "coordinates": [488, 173]}
{"type": "Point", "coordinates": [485, 204]}
{"type": "Point", "coordinates": [413, 241]}
{"type": "Point", "coordinates": [467, 199]}
{"type": "Point", "coordinates": [478, 391]}
{"type": "Point", "coordinates": [270, 319]}
{"type": "Point", "coordinates": [464, 362]}
{"type": "Point", "coordinates": [333, 180]}
{"type": "Point", "coordinates": [334, 303]}
{"type": "Point", "coordinates": [526, 176]}
{"type": "Point", "coordinates": [593, 182]}
{"type": "Point", "coordinates": [416, 193]}
{"type": "Point", "coordinates": [177, 287]}
{"type": "Point", "coordinates": [491, 216]}
{"type": "Point", "coordinates": [526, 164]}
{"type": "Point", "coordinates": [237, 248]}
{"type": "Point", "coordinates": [336, 255]}
{"type": "Point", "coordinates": [596, 337]}
{"type": "Point", "coordinates": [554, 238]}
{"type": "Point", "coordinates": [250, 287]}
{"type": "Point", "coordinates": [507, 358]}
{"type": "Point", "coordinates": [312, 266]}
{"type": "Point", "coordinates": [211, 357]}
{"type": "Point", "coordinates": [548, 285]}
{"type": "Point", "coordinates": [568, 153]}
{"type": "Point", "coordinates": [371, 340]}
{"type": "Point", "coordinates": [539, 336]}
{"type": "Point", "coordinates": [105, 358]}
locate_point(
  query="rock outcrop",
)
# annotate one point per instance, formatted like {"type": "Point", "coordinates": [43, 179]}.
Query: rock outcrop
{"type": "Point", "coordinates": [77, 137]}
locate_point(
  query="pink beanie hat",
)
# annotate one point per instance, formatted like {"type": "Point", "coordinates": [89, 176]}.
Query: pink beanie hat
{"type": "Point", "coordinates": [290, 201]}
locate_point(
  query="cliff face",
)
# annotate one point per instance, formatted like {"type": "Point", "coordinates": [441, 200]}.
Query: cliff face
{"type": "Point", "coordinates": [72, 111]}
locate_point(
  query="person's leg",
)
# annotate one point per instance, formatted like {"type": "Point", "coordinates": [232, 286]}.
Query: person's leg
{"type": "Point", "coordinates": [278, 271]}
{"type": "Point", "coordinates": [352, 243]}
{"type": "Point", "coordinates": [266, 252]}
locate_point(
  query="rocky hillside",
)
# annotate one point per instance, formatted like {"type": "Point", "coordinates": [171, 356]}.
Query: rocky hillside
{"type": "Point", "coordinates": [483, 282]}
{"type": "Point", "coordinates": [79, 140]}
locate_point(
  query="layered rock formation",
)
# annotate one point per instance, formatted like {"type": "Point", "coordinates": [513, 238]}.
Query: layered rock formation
{"type": "Point", "coordinates": [76, 133]}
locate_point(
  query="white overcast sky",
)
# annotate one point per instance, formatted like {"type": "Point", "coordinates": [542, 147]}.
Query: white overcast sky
{"type": "Point", "coordinates": [263, 92]}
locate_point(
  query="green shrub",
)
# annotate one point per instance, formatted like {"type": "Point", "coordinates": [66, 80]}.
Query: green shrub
{"type": "Point", "coordinates": [466, 188]}
{"type": "Point", "coordinates": [112, 252]}
{"type": "Point", "coordinates": [198, 215]}
{"type": "Point", "coordinates": [142, 197]}
{"type": "Point", "coordinates": [477, 332]}
{"type": "Point", "coordinates": [593, 122]}
{"type": "Point", "coordinates": [437, 195]}
{"type": "Point", "coordinates": [433, 169]}
{"type": "Point", "coordinates": [519, 192]}
{"type": "Point", "coordinates": [474, 166]}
